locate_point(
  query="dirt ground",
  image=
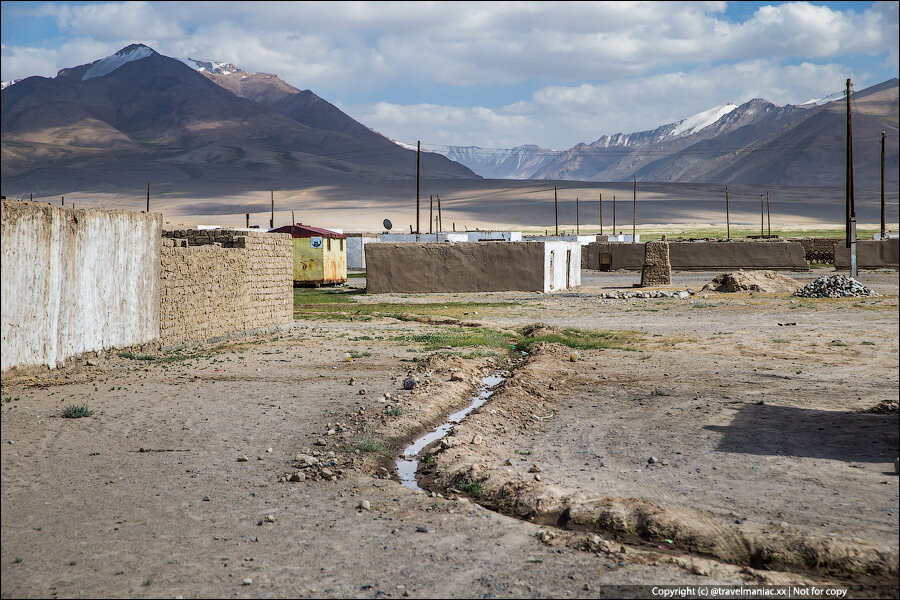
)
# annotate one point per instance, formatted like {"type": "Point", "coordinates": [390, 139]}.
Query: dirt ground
{"type": "Point", "coordinates": [726, 439]}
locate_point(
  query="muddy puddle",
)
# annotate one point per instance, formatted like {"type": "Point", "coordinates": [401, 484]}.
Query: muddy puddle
{"type": "Point", "coordinates": [408, 462]}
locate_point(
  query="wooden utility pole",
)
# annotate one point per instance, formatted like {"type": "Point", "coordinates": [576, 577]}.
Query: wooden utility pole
{"type": "Point", "coordinates": [272, 218]}
{"type": "Point", "coordinates": [148, 195]}
{"type": "Point", "coordinates": [440, 217]}
{"type": "Point", "coordinates": [430, 212]}
{"type": "Point", "coordinates": [577, 225]}
{"type": "Point", "coordinates": [634, 214]}
{"type": "Point", "coordinates": [851, 207]}
{"type": "Point", "coordinates": [768, 214]}
{"type": "Point", "coordinates": [727, 216]}
{"type": "Point", "coordinates": [556, 209]}
{"type": "Point", "coordinates": [882, 195]}
{"type": "Point", "coordinates": [293, 222]}
{"type": "Point", "coordinates": [418, 163]}
{"type": "Point", "coordinates": [762, 217]}
{"type": "Point", "coordinates": [614, 214]}
{"type": "Point", "coordinates": [601, 213]}
{"type": "Point", "coordinates": [248, 220]}
{"type": "Point", "coordinates": [883, 224]}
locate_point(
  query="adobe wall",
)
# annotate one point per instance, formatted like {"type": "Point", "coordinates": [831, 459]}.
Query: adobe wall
{"type": "Point", "coordinates": [819, 250]}
{"type": "Point", "coordinates": [704, 255]}
{"type": "Point", "coordinates": [455, 267]}
{"type": "Point", "coordinates": [218, 282]}
{"type": "Point", "coordinates": [76, 281]}
{"type": "Point", "coordinates": [870, 254]}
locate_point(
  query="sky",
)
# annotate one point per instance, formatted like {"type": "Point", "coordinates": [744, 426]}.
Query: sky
{"type": "Point", "coordinates": [490, 74]}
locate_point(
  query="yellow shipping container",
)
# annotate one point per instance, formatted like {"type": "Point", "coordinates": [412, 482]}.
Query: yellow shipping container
{"type": "Point", "coordinates": [320, 255]}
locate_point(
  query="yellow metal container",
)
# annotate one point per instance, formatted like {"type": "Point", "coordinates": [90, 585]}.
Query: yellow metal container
{"type": "Point", "coordinates": [320, 260]}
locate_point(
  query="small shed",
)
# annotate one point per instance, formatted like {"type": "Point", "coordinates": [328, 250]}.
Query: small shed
{"type": "Point", "coordinates": [320, 255]}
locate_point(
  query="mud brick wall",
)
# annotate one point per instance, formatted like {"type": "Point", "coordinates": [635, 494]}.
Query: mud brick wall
{"type": "Point", "coordinates": [870, 254]}
{"type": "Point", "coordinates": [817, 249]}
{"type": "Point", "coordinates": [704, 255]}
{"type": "Point", "coordinates": [218, 282]}
{"type": "Point", "coordinates": [656, 270]}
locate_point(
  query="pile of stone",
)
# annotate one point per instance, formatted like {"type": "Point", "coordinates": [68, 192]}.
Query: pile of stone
{"type": "Point", "coordinates": [627, 295]}
{"type": "Point", "coordinates": [834, 286]}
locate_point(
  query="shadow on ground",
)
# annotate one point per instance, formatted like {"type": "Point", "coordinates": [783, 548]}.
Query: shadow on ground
{"type": "Point", "coordinates": [764, 429]}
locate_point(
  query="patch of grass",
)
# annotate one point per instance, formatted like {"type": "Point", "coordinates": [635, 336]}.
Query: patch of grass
{"type": "Point", "coordinates": [581, 339]}
{"type": "Point", "coordinates": [342, 305]}
{"type": "Point", "coordinates": [76, 411]}
{"type": "Point", "coordinates": [659, 392]}
{"type": "Point", "coordinates": [131, 356]}
{"type": "Point", "coordinates": [17, 560]}
{"type": "Point", "coordinates": [427, 459]}
{"type": "Point", "coordinates": [366, 443]}
{"type": "Point", "coordinates": [471, 488]}
{"type": "Point", "coordinates": [780, 341]}
{"type": "Point", "coordinates": [460, 337]}
{"type": "Point", "coordinates": [356, 275]}
{"type": "Point", "coordinates": [393, 411]}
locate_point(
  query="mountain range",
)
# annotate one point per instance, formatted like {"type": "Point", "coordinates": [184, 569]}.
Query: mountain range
{"type": "Point", "coordinates": [191, 124]}
{"type": "Point", "coordinates": [139, 115]}
{"type": "Point", "coordinates": [756, 142]}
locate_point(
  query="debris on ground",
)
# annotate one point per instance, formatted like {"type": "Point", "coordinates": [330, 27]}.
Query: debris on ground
{"type": "Point", "coordinates": [752, 281]}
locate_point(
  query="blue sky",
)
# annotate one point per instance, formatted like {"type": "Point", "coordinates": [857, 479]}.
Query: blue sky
{"type": "Point", "coordinates": [493, 74]}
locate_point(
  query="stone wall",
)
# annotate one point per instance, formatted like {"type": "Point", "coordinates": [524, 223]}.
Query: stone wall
{"type": "Point", "coordinates": [217, 282]}
{"type": "Point", "coordinates": [76, 281]}
{"type": "Point", "coordinates": [657, 269]}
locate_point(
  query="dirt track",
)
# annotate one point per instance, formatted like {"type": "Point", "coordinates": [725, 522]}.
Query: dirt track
{"type": "Point", "coordinates": [749, 420]}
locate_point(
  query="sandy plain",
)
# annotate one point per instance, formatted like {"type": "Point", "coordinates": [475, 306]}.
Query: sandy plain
{"type": "Point", "coordinates": [769, 465]}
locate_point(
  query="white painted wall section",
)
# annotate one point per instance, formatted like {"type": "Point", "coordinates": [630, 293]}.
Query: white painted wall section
{"type": "Point", "coordinates": [76, 281]}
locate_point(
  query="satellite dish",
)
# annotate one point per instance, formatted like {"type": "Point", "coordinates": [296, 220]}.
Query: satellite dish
{"type": "Point", "coordinates": [387, 224]}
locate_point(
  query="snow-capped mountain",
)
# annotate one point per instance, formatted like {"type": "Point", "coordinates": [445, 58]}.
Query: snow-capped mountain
{"type": "Point", "coordinates": [6, 84]}
{"type": "Point", "coordinates": [520, 162]}
{"type": "Point", "coordinates": [218, 68]}
{"type": "Point", "coordinates": [107, 65]}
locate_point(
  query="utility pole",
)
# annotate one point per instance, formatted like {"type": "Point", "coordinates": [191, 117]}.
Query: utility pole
{"type": "Point", "coordinates": [430, 212]}
{"type": "Point", "coordinates": [440, 217]}
{"type": "Point", "coordinates": [762, 217]}
{"type": "Point", "coordinates": [556, 209]}
{"type": "Point", "coordinates": [293, 222]}
{"type": "Point", "coordinates": [883, 224]}
{"type": "Point", "coordinates": [727, 217]}
{"type": "Point", "coordinates": [248, 220]}
{"type": "Point", "coordinates": [601, 213]}
{"type": "Point", "coordinates": [577, 228]}
{"type": "Point", "coordinates": [418, 163]}
{"type": "Point", "coordinates": [64, 202]}
{"type": "Point", "coordinates": [768, 214]}
{"type": "Point", "coordinates": [614, 214]}
{"type": "Point", "coordinates": [634, 214]}
{"type": "Point", "coordinates": [272, 218]}
{"type": "Point", "coordinates": [851, 208]}
{"type": "Point", "coordinates": [148, 195]}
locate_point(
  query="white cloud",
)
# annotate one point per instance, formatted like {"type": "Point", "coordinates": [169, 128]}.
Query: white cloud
{"type": "Point", "coordinates": [561, 116]}
{"type": "Point", "coordinates": [602, 67]}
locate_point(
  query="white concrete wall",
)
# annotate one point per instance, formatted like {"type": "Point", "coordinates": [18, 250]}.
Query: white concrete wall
{"type": "Point", "coordinates": [508, 236]}
{"type": "Point", "coordinates": [625, 238]}
{"type": "Point", "coordinates": [561, 255]}
{"type": "Point", "coordinates": [356, 250]}
{"type": "Point", "coordinates": [583, 240]}
{"type": "Point", "coordinates": [76, 281]}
